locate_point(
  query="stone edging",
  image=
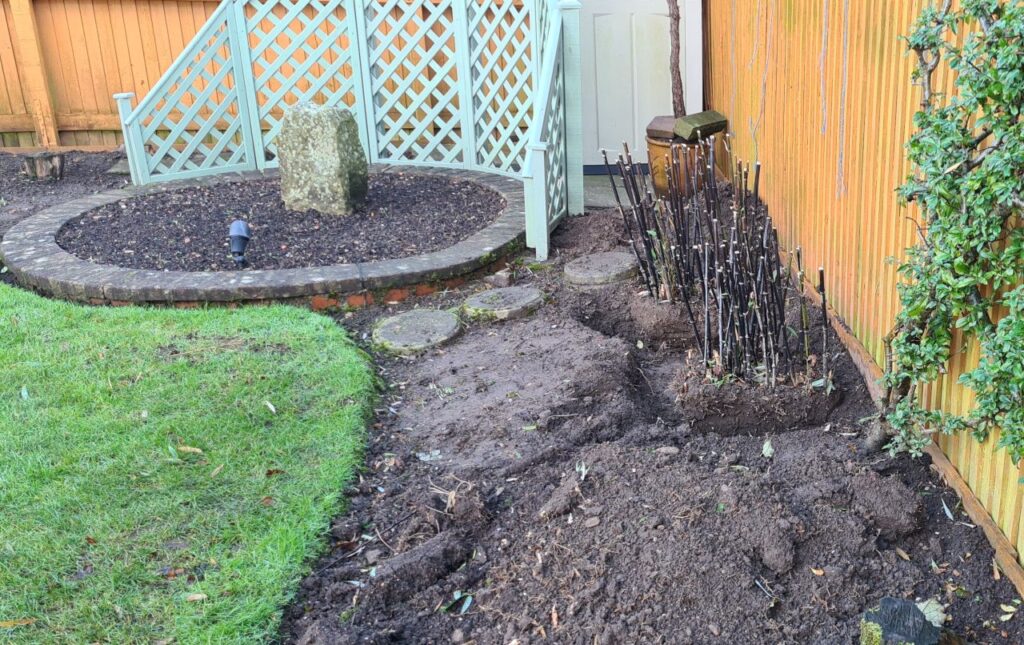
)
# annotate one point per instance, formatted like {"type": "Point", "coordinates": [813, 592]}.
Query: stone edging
{"type": "Point", "coordinates": [30, 251]}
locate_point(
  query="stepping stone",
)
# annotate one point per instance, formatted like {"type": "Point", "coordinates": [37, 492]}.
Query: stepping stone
{"type": "Point", "coordinates": [601, 268]}
{"type": "Point", "coordinates": [416, 331]}
{"type": "Point", "coordinates": [504, 304]}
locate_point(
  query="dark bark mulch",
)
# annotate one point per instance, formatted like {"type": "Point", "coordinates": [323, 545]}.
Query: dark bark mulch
{"type": "Point", "coordinates": [186, 230]}
{"type": "Point", "coordinates": [85, 173]}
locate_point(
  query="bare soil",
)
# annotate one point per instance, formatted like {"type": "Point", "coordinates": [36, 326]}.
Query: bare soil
{"type": "Point", "coordinates": [574, 478]}
{"type": "Point", "coordinates": [186, 229]}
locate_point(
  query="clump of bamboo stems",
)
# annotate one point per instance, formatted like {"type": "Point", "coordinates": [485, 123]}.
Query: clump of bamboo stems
{"type": "Point", "coordinates": [719, 255]}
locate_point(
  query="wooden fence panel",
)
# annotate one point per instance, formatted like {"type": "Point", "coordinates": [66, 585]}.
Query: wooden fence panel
{"type": "Point", "coordinates": [820, 92]}
{"type": "Point", "coordinates": [90, 49]}
{"type": "Point", "coordinates": [14, 112]}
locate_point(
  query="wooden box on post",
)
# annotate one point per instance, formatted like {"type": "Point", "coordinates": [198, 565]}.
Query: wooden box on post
{"type": "Point", "coordinates": [669, 138]}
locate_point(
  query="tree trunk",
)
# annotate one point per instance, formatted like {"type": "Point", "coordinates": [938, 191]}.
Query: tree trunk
{"type": "Point", "coordinates": [678, 104]}
{"type": "Point", "coordinates": [43, 165]}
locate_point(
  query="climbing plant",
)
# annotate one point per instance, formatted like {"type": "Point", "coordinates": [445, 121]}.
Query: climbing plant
{"type": "Point", "coordinates": [966, 271]}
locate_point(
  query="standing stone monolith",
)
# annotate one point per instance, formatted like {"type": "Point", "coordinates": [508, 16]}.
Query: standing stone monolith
{"type": "Point", "coordinates": [323, 165]}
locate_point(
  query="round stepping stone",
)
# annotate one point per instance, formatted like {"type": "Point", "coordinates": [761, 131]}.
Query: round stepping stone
{"type": "Point", "coordinates": [416, 331]}
{"type": "Point", "coordinates": [601, 268]}
{"type": "Point", "coordinates": [507, 303]}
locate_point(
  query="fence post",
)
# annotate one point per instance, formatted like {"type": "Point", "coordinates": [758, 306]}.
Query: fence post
{"type": "Point", "coordinates": [33, 73]}
{"type": "Point", "coordinates": [572, 71]}
{"type": "Point", "coordinates": [535, 192]}
{"type": "Point", "coordinates": [134, 149]}
{"type": "Point", "coordinates": [245, 92]}
{"type": "Point", "coordinates": [464, 65]}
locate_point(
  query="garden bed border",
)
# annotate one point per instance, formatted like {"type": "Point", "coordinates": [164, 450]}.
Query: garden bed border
{"type": "Point", "coordinates": [30, 251]}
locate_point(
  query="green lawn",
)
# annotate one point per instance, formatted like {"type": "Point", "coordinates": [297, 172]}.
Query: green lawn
{"type": "Point", "coordinates": [114, 527]}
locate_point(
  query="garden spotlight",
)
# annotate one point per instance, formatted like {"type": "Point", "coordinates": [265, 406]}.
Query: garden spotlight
{"type": "Point", "coordinates": [239, 234]}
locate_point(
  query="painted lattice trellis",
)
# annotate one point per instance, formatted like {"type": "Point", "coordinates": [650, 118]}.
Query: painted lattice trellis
{"type": "Point", "coordinates": [478, 84]}
{"type": "Point", "coordinates": [285, 72]}
{"type": "Point", "coordinates": [196, 123]}
{"type": "Point", "coordinates": [502, 51]}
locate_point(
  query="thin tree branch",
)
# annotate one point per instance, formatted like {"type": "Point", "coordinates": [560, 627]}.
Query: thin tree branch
{"type": "Point", "coordinates": [674, 63]}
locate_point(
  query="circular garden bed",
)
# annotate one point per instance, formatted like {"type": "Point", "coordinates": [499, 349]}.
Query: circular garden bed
{"type": "Point", "coordinates": [186, 230]}
{"type": "Point", "coordinates": [167, 243]}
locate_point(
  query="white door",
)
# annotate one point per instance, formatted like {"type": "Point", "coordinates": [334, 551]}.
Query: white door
{"type": "Point", "coordinates": [626, 82]}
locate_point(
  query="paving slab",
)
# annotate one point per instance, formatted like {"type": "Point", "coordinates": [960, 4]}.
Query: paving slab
{"type": "Point", "coordinates": [598, 193]}
{"type": "Point", "coordinates": [507, 303]}
{"type": "Point", "coordinates": [416, 331]}
{"type": "Point", "coordinates": [120, 167]}
{"type": "Point", "coordinates": [601, 268]}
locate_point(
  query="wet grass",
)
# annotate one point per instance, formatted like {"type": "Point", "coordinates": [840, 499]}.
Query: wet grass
{"type": "Point", "coordinates": [167, 475]}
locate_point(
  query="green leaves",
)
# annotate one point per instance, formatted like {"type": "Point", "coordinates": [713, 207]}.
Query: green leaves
{"type": "Point", "coordinates": [967, 179]}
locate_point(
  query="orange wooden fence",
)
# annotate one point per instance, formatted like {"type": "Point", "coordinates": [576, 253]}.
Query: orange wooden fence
{"type": "Point", "coordinates": [61, 61]}
{"type": "Point", "coordinates": [820, 92]}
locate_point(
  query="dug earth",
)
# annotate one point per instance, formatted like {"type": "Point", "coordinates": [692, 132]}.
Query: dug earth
{"type": "Point", "coordinates": [556, 478]}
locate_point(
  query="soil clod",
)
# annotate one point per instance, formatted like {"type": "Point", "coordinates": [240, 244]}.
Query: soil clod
{"type": "Point", "coordinates": [561, 501]}
{"type": "Point", "coordinates": [402, 575]}
{"type": "Point", "coordinates": [892, 507]}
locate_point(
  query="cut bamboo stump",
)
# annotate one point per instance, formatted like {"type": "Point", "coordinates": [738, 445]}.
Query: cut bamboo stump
{"type": "Point", "coordinates": [43, 165]}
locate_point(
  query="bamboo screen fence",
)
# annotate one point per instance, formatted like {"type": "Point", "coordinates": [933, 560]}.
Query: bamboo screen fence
{"type": "Point", "coordinates": [820, 92]}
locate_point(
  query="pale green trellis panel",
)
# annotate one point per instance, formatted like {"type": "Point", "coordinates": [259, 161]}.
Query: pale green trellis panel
{"type": "Point", "coordinates": [298, 51]}
{"type": "Point", "coordinates": [554, 166]}
{"type": "Point", "coordinates": [480, 84]}
{"type": "Point", "coordinates": [503, 62]}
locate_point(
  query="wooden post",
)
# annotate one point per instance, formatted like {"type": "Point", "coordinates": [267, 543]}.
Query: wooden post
{"type": "Point", "coordinates": [572, 69]}
{"type": "Point", "coordinates": [536, 195]}
{"type": "Point", "coordinates": [33, 72]}
{"type": "Point", "coordinates": [43, 165]}
{"type": "Point", "coordinates": [134, 148]}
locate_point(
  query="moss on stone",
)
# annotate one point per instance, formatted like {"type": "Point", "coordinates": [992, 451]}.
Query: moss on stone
{"type": "Point", "coordinates": [870, 633]}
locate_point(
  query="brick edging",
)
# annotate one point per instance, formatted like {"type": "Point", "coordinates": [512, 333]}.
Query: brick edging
{"type": "Point", "coordinates": [30, 251]}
